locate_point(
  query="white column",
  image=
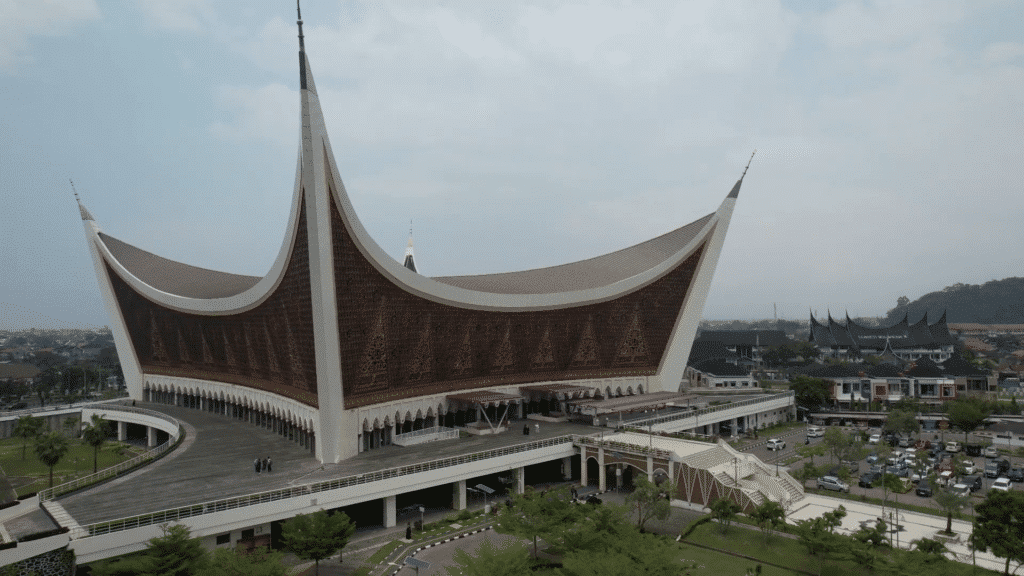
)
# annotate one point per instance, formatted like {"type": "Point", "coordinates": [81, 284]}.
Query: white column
{"type": "Point", "coordinates": [150, 436]}
{"type": "Point", "coordinates": [567, 468]}
{"type": "Point", "coordinates": [520, 480]}
{"type": "Point", "coordinates": [390, 512]}
{"type": "Point", "coordinates": [618, 476]}
{"type": "Point", "coordinates": [735, 426]}
{"type": "Point", "coordinates": [459, 495]}
{"type": "Point", "coordinates": [583, 466]}
{"type": "Point", "coordinates": [650, 468]}
{"type": "Point", "coordinates": [602, 474]}
{"type": "Point", "coordinates": [122, 431]}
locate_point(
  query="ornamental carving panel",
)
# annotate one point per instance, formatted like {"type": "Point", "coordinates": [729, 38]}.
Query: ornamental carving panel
{"type": "Point", "coordinates": [274, 339]}
{"type": "Point", "coordinates": [467, 348]}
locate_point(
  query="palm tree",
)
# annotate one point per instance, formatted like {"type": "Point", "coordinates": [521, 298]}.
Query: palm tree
{"type": "Point", "coordinates": [50, 448]}
{"type": "Point", "coordinates": [26, 427]}
{"type": "Point", "coordinates": [95, 434]}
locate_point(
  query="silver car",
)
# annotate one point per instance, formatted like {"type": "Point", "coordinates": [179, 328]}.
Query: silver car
{"type": "Point", "coordinates": [776, 444]}
{"type": "Point", "coordinates": [833, 483]}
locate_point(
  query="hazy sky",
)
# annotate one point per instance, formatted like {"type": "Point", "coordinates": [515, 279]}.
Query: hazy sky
{"type": "Point", "coordinates": [889, 137]}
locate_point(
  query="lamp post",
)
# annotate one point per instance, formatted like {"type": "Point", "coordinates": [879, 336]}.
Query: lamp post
{"type": "Point", "coordinates": [421, 517]}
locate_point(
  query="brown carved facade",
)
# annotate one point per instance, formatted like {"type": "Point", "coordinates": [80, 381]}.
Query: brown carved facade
{"type": "Point", "coordinates": [397, 345]}
{"type": "Point", "coordinates": [269, 347]}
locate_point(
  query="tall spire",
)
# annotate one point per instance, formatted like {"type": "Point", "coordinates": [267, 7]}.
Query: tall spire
{"type": "Point", "coordinates": [81, 209]}
{"type": "Point", "coordinates": [736, 189]}
{"type": "Point", "coordinates": [409, 263]}
{"type": "Point", "coordinates": [302, 48]}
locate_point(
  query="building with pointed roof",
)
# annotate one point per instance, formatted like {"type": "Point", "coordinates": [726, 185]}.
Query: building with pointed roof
{"type": "Point", "coordinates": [852, 341]}
{"type": "Point", "coordinates": [342, 347]}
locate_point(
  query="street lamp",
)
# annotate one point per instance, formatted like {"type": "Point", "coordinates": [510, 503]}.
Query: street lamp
{"type": "Point", "coordinates": [421, 517]}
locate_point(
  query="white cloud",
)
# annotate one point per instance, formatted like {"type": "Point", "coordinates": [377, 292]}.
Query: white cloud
{"type": "Point", "coordinates": [269, 113]}
{"type": "Point", "coordinates": [183, 15]}
{"type": "Point", "coordinates": [22, 19]}
{"type": "Point", "coordinates": [999, 52]}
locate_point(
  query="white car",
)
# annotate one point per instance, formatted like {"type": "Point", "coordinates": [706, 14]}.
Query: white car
{"type": "Point", "coordinates": [961, 490]}
{"type": "Point", "coordinates": [1003, 484]}
{"type": "Point", "coordinates": [911, 453]}
{"type": "Point", "coordinates": [969, 467]}
{"type": "Point", "coordinates": [815, 432]}
{"type": "Point", "coordinates": [776, 444]}
{"type": "Point", "coordinates": [952, 447]}
{"type": "Point", "coordinates": [944, 478]}
{"type": "Point", "coordinates": [991, 452]}
{"type": "Point", "coordinates": [875, 439]}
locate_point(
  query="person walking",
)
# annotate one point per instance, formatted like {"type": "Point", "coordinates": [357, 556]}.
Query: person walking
{"type": "Point", "coordinates": [264, 464]}
{"type": "Point", "coordinates": [256, 465]}
{"type": "Point", "coordinates": [270, 464]}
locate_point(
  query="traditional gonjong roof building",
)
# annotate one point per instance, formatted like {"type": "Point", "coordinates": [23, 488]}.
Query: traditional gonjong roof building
{"type": "Point", "coordinates": [342, 347]}
{"type": "Point", "coordinates": [851, 341]}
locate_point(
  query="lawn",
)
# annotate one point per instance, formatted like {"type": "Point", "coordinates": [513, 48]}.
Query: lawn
{"type": "Point", "coordinates": [788, 552]}
{"type": "Point", "coordinates": [30, 475]}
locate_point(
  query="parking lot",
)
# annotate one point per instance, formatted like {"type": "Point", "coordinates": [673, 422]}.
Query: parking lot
{"type": "Point", "coordinates": [796, 439]}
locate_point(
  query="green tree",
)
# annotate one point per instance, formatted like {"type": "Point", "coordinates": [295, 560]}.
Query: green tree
{"type": "Point", "coordinates": [930, 547]}
{"type": "Point", "coordinates": [50, 448]}
{"type": "Point", "coordinates": [873, 535]}
{"type": "Point", "coordinates": [534, 515]}
{"type": "Point", "coordinates": [966, 414]}
{"type": "Point", "coordinates": [841, 445]}
{"type": "Point", "coordinates": [176, 553]}
{"type": "Point", "coordinates": [318, 535]}
{"type": "Point", "coordinates": [724, 510]}
{"type": "Point", "coordinates": [812, 450]}
{"type": "Point", "coordinates": [806, 472]}
{"type": "Point", "coordinates": [258, 562]}
{"type": "Point", "coordinates": [649, 500]}
{"type": "Point", "coordinates": [513, 560]}
{"type": "Point", "coordinates": [889, 483]}
{"type": "Point", "coordinates": [811, 393]}
{"type": "Point", "coordinates": [26, 427]}
{"type": "Point", "coordinates": [951, 503]}
{"type": "Point", "coordinates": [901, 422]}
{"type": "Point", "coordinates": [95, 434]}
{"type": "Point", "coordinates": [769, 517]}
{"type": "Point", "coordinates": [999, 525]}
{"type": "Point", "coordinates": [631, 553]}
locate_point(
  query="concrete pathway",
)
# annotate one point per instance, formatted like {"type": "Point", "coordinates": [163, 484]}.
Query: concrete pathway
{"type": "Point", "coordinates": [216, 461]}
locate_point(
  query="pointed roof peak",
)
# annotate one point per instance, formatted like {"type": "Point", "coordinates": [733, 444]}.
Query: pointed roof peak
{"type": "Point", "coordinates": [736, 189]}
{"type": "Point", "coordinates": [81, 209]}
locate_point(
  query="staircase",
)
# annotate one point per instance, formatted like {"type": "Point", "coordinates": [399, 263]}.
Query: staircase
{"type": "Point", "coordinates": [60, 516]}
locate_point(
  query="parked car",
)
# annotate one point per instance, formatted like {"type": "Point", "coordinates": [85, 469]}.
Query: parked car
{"type": "Point", "coordinates": [996, 468]}
{"type": "Point", "coordinates": [961, 489]}
{"type": "Point", "coordinates": [991, 452]}
{"type": "Point", "coordinates": [815, 432]}
{"type": "Point", "coordinates": [833, 483]}
{"type": "Point", "coordinates": [924, 489]}
{"type": "Point", "coordinates": [906, 442]}
{"type": "Point", "coordinates": [911, 452]}
{"type": "Point", "coordinates": [852, 465]}
{"type": "Point", "coordinates": [969, 467]}
{"type": "Point", "coordinates": [872, 458]}
{"type": "Point", "coordinates": [1002, 484]}
{"type": "Point", "coordinates": [944, 478]}
{"type": "Point", "coordinates": [875, 439]}
{"type": "Point", "coordinates": [1016, 474]}
{"type": "Point", "coordinates": [952, 447]}
{"type": "Point", "coordinates": [898, 471]}
{"type": "Point", "coordinates": [776, 444]}
{"type": "Point", "coordinates": [973, 449]}
{"type": "Point", "coordinates": [923, 444]}
{"type": "Point", "coordinates": [973, 482]}
{"type": "Point", "coordinates": [868, 478]}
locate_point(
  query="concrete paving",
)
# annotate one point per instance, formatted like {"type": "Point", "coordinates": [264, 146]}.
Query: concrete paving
{"type": "Point", "coordinates": [216, 461]}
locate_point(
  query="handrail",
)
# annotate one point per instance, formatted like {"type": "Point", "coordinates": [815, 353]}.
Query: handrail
{"type": "Point", "coordinates": [181, 512]}
{"type": "Point", "coordinates": [72, 485]}
{"type": "Point", "coordinates": [624, 446]}
{"type": "Point", "coordinates": [654, 420]}
{"type": "Point", "coordinates": [424, 432]}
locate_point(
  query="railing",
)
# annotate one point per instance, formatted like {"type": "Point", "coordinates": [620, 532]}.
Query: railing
{"type": "Point", "coordinates": [624, 447]}
{"type": "Point", "coordinates": [176, 514]}
{"type": "Point", "coordinates": [425, 435]}
{"type": "Point", "coordinates": [655, 420]}
{"type": "Point", "coordinates": [77, 483]}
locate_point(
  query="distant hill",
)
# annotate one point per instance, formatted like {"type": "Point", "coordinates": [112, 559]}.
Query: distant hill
{"type": "Point", "coordinates": [994, 302]}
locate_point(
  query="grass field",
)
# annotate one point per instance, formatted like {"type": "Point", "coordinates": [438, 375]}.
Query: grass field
{"type": "Point", "coordinates": [30, 475]}
{"type": "Point", "coordinates": [788, 552]}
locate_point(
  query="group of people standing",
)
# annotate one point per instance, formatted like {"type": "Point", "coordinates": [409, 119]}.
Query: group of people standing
{"type": "Point", "coordinates": [265, 465]}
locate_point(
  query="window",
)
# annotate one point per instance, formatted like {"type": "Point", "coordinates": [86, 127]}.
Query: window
{"type": "Point", "coordinates": [947, 391]}
{"type": "Point", "coordinates": [224, 539]}
{"type": "Point", "coordinates": [248, 534]}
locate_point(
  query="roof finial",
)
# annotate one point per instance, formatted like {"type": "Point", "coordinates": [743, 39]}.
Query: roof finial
{"type": "Point", "coordinates": [77, 199]}
{"type": "Point", "coordinates": [302, 45]}
{"type": "Point", "coordinates": [81, 209]}
{"type": "Point", "coordinates": [748, 163]}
